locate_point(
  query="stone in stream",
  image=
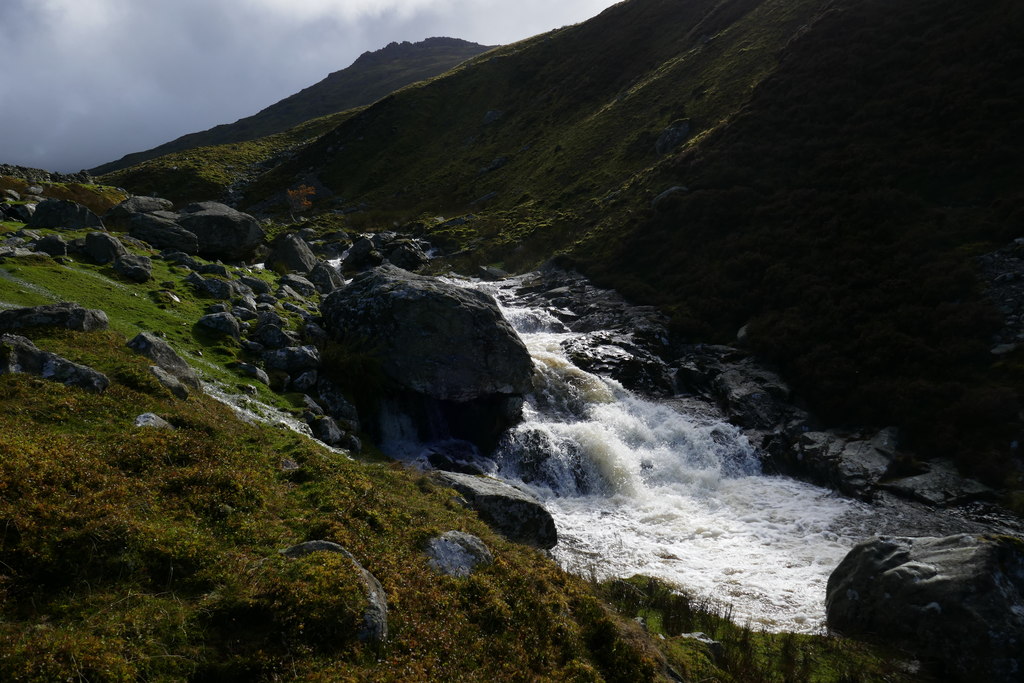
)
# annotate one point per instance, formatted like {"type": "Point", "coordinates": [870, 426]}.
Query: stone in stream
{"type": "Point", "coordinates": [957, 601]}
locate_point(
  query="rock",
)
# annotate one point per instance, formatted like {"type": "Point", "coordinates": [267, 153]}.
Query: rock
{"type": "Point", "coordinates": [616, 355]}
{"type": "Point", "coordinates": [67, 315]}
{"type": "Point", "coordinates": [326, 278]}
{"type": "Point", "coordinates": [291, 255]}
{"type": "Point", "coordinates": [957, 601]}
{"type": "Point", "coordinates": [250, 370]}
{"type": "Point", "coordinates": [332, 399]}
{"type": "Point", "coordinates": [158, 351]}
{"type": "Point", "coordinates": [407, 255]}
{"type": "Point", "coordinates": [120, 216]}
{"type": "Point", "coordinates": [162, 232]}
{"type": "Point", "coordinates": [222, 231]}
{"type": "Point", "coordinates": [456, 553]}
{"type": "Point", "coordinates": [152, 421]}
{"type": "Point", "coordinates": [853, 467]}
{"type": "Point", "coordinates": [18, 354]}
{"type": "Point", "coordinates": [455, 455]}
{"type": "Point", "coordinates": [292, 359]}
{"type": "Point", "coordinates": [752, 396]}
{"type": "Point", "coordinates": [661, 202]}
{"type": "Point", "coordinates": [170, 382]}
{"type": "Point", "coordinates": [362, 255]}
{"type": "Point", "coordinates": [273, 337]}
{"type": "Point", "coordinates": [512, 512]}
{"type": "Point", "coordinates": [60, 213]}
{"type": "Point", "coordinates": [941, 485]}
{"type": "Point", "coordinates": [676, 134]}
{"type": "Point", "coordinates": [135, 267]}
{"type": "Point", "coordinates": [10, 195]}
{"type": "Point", "coordinates": [255, 284]}
{"type": "Point", "coordinates": [375, 618]}
{"type": "Point", "coordinates": [299, 284]}
{"type": "Point", "coordinates": [491, 274]}
{"type": "Point", "coordinates": [54, 245]}
{"type": "Point", "coordinates": [447, 351]}
{"type": "Point", "coordinates": [103, 248]}
{"type": "Point", "coordinates": [221, 323]}
{"type": "Point", "coordinates": [212, 287]}
{"type": "Point", "coordinates": [305, 382]}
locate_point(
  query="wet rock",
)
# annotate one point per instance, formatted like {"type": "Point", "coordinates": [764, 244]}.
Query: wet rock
{"type": "Point", "coordinates": [956, 601]}
{"type": "Point", "coordinates": [512, 512]}
{"type": "Point", "coordinates": [67, 315]}
{"type": "Point", "coordinates": [752, 396]}
{"type": "Point", "coordinates": [163, 232]}
{"type": "Point", "coordinates": [375, 617]}
{"type": "Point", "coordinates": [456, 553]}
{"type": "Point", "coordinates": [60, 213]}
{"type": "Point", "coordinates": [853, 467]}
{"type": "Point", "coordinates": [18, 354]}
{"type": "Point", "coordinates": [615, 355]}
{"type": "Point", "coordinates": [456, 455]}
{"type": "Point", "coordinates": [291, 254]}
{"type": "Point", "coordinates": [222, 231]}
{"type": "Point", "coordinates": [940, 485]}
{"type": "Point", "coordinates": [221, 323]}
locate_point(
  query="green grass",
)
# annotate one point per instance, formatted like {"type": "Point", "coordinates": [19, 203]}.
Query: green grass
{"type": "Point", "coordinates": [98, 198]}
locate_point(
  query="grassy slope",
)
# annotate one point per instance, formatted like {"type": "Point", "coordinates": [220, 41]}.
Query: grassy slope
{"type": "Point", "coordinates": [139, 554]}
{"type": "Point", "coordinates": [372, 76]}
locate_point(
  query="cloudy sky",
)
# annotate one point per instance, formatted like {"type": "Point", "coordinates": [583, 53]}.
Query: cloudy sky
{"type": "Point", "coordinates": [83, 82]}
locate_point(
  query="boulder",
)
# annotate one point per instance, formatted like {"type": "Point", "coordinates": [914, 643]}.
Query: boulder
{"type": "Point", "coordinates": [408, 255]}
{"type": "Point", "coordinates": [291, 254]}
{"type": "Point", "coordinates": [152, 421]}
{"type": "Point", "coordinates": [956, 601]}
{"type": "Point", "coordinates": [299, 284]}
{"type": "Point", "coordinates": [54, 245]}
{"type": "Point", "coordinates": [615, 355]}
{"type": "Point", "coordinates": [22, 212]}
{"type": "Point", "coordinates": [158, 351]}
{"type": "Point", "coordinates": [170, 382]}
{"type": "Point", "coordinates": [327, 430]}
{"type": "Point", "coordinates": [375, 618]}
{"type": "Point", "coordinates": [103, 248]}
{"type": "Point", "coordinates": [222, 231]}
{"type": "Point", "coordinates": [120, 216]}
{"type": "Point", "coordinates": [752, 396]}
{"type": "Point", "coordinates": [362, 255]}
{"type": "Point", "coordinates": [515, 514]}
{"type": "Point", "coordinates": [273, 337]}
{"type": "Point", "coordinates": [18, 354]}
{"type": "Point", "coordinates": [162, 232]}
{"type": "Point", "coordinates": [253, 372]}
{"type": "Point", "coordinates": [135, 267]}
{"type": "Point", "coordinates": [293, 360]}
{"type": "Point", "coordinates": [852, 466]}
{"type": "Point", "coordinates": [221, 323]}
{"type": "Point", "coordinates": [60, 213]}
{"type": "Point", "coordinates": [674, 135]}
{"type": "Point", "coordinates": [66, 314]}
{"type": "Point", "coordinates": [455, 455]}
{"type": "Point", "coordinates": [940, 485]}
{"type": "Point", "coordinates": [457, 553]}
{"type": "Point", "coordinates": [326, 278]}
{"type": "Point", "coordinates": [212, 287]}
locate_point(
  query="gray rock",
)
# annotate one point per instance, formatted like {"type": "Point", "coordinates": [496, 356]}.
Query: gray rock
{"type": "Point", "coordinates": [326, 278]}
{"type": "Point", "coordinates": [362, 255]}
{"type": "Point", "coordinates": [255, 284]}
{"type": "Point", "coordinates": [23, 212]}
{"type": "Point", "coordinates": [10, 195]}
{"type": "Point", "coordinates": [170, 382]}
{"type": "Point", "coordinates": [332, 399]}
{"type": "Point", "coordinates": [135, 267]}
{"type": "Point", "coordinates": [103, 248]}
{"type": "Point", "coordinates": [292, 359]}
{"type": "Point", "coordinates": [212, 287]}
{"type": "Point", "coordinates": [66, 314]}
{"type": "Point", "coordinates": [674, 135]}
{"type": "Point", "coordinates": [432, 338]}
{"type": "Point", "coordinates": [375, 618]}
{"type": "Point", "coordinates": [327, 430]}
{"type": "Point", "coordinates": [18, 354]}
{"type": "Point", "coordinates": [250, 370]}
{"type": "Point", "coordinates": [221, 323]}
{"type": "Point", "coordinates": [291, 255]}
{"type": "Point", "coordinates": [660, 202]}
{"type": "Point", "coordinates": [120, 216]}
{"type": "Point", "coordinates": [160, 352]}
{"type": "Point", "coordinates": [957, 601]}
{"type": "Point", "coordinates": [54, 245]}
{"type": "Point", "coordinates": [491, 273]}
{"type": "Point", "coordinates": [457, 553]}
{"type": "Point", "coordinates": [407, 255]}
{"type": "Point", "coordinates": [152, 421]}
{"type": "Point", "coordinates": [512, 512]}
{"type": "Point", "coordinates": [752, 396]}
{"type": "Point", "coordinates": [163, 233]}
{"type": "Point", "coordinates": [299, 284]}
{"type": "Point", "coordinates": [941, 485]}
{"type": "Point", "coordinates": [273, 337]}
{"type": "Point", "coordinates": [854, 467]}
{"type": "Point", "coordinates": [222, 231]}
{"type": "Point", "coordinates": [60, 213]}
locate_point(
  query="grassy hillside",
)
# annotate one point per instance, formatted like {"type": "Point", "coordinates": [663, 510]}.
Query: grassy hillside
{"type": "Point", "coordinates": [372, 76]}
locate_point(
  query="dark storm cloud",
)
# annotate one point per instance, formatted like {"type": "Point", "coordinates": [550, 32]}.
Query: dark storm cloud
{"type": "Point", "coordinates": [83, 82]}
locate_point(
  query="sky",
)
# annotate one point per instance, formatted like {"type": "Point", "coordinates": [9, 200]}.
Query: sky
{"type": "Point", "coordinates": [84, 82]}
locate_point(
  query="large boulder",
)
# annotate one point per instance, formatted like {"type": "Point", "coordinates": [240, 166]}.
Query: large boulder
{"type": "Point", "coordinates": [60, 213]}
{"type": "Point", "coordinates": [68, 315]}
{"type": "Point", "coordinates": [18, 354]}
{"type": "Point", "coordinates": [158, 351]}
{"type": "Point", "coordinates": [120, 216]}
{"type": "Point", "coordinates": [457, 553]}
{"type": "Point", "coordinates": [444, 351]}
{"type": "Point", "coordinates": [103, 248]}
{"type": "Point", "coordinates": [162, 231]}
{"type": "Point", "coordinates": [222, 231]}
{"type": "Point", "coordinates": [956, 601]}
{"type": "Point", "coordinates": [291, 254]}
{"type": "Point", "coordinates": [512, 512]}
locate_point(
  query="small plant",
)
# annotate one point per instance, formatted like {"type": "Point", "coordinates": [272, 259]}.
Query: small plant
{"type": "Point", "coordinates": [299, 199]}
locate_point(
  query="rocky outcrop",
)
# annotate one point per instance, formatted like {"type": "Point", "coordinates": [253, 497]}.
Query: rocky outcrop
{"type": "Point", "coordinates": [512, 512]}
{"type": "Point", "coordinates": [18, 354]}
{"type": "Point", "coordinates": [60, 213]}
{"type": "Point", "coordinates": [222, 231]}
{"type": "Point", "coordinates": [162, 231]}
{"type": "Point", "coordinates": [957, 601]}
{"type": "Point", "coordinates": [68, 315]}
{"type": "Point", "coordinates": [375, 616]}
{"type": "Point", "coordinates": [447, 351]}
{"type": "Point", "coordinates": [457, 553]}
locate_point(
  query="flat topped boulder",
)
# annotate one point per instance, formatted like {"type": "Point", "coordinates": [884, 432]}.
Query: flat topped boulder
{"type": "Point", "coordinates": [222, 232]}
{"type": "Point", "coordinates": [432, 338]}
{"type": "Point", "coordinates": [957, 601]}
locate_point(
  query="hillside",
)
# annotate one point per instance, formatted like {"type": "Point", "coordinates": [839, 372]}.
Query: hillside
{"type": "Point", "coordinates": [372, 76]}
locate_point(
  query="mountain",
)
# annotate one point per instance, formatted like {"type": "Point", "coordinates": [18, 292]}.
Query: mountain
{"type": "Point", "coordinates": [372, 76]}
{"type": "Point", "coordinates": [823, 173]}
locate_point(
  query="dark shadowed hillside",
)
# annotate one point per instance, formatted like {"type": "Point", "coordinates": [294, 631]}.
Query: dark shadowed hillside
{"type": "Point", "coordinates": [372, 76]}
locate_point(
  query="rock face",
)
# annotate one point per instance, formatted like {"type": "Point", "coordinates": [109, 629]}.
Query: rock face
{"type": "Point", "coordinates": [68, 315]}
{"type": "Point", "coordinates": [375, 618]}
{"type": "Point", "coordinates": [448, 350]}
{"type": "Point", "coordinates": [456, 553]}
{"type": "Point", "coordinates": [514, 513]}
{"type": "Point", "coordinates": [222, 232]}
{"type": "Point", "coordinates": [958, 601]}
{"type": "Point", "coordinates": [18, 354]}
{"type": "Point", "coordinates": [60, 213]}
